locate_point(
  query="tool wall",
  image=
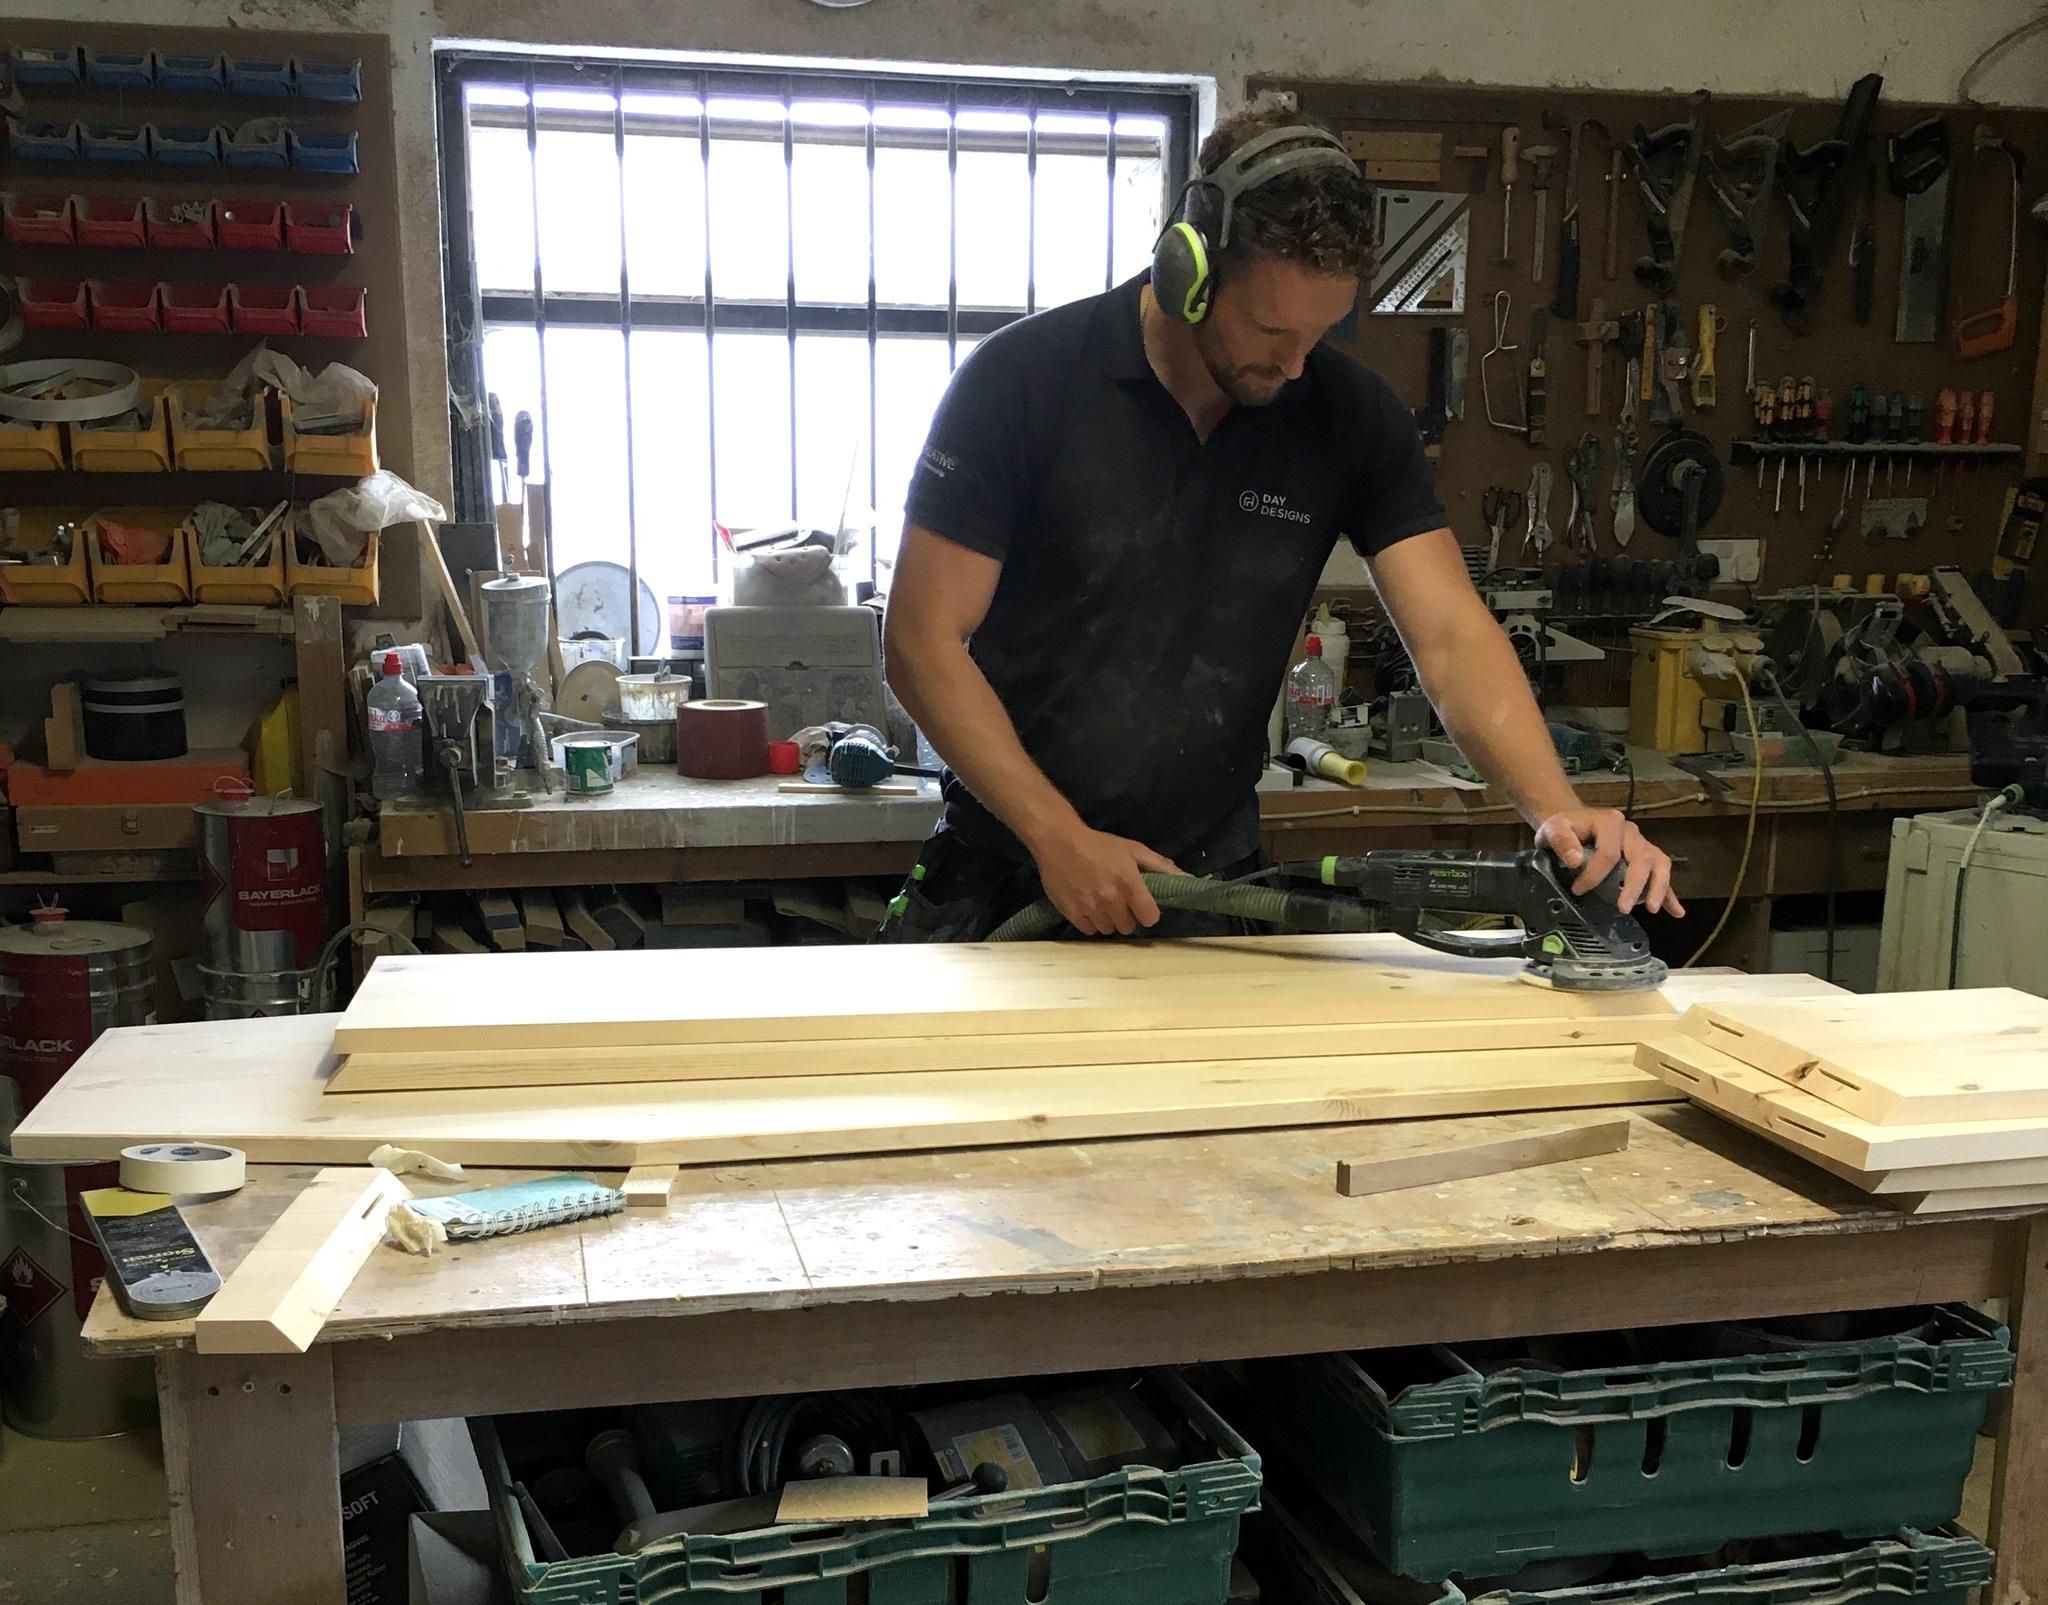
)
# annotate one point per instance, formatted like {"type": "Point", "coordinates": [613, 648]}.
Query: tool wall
{"type": "Point", "coordinates": [1409, 139]}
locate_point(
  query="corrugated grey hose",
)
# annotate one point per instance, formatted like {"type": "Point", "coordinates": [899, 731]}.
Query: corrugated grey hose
{"type": "Point", "coordinates": [1263, 903]}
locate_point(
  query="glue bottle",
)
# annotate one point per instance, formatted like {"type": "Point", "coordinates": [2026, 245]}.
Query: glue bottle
{"type": "Point", "coordinates": [396, 747]}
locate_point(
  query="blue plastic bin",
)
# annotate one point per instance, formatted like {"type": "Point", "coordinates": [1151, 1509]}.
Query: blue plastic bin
{"type": "Point", "coordinates": [42, 142]}
{"type": "Point", "coordinates": [266, 150]}
{"type": "Point", "coordinates": [328, 80]}
{"type": "Point", "coordinates": [120, 69]}
{"type": "Point", "coordinates": [250, 76]}
{"type": "Point", "coordinates": [45, 64]}
{"type": "Point", "coordinates": [105, 142]}
{"type": "Point", "coordinates": [316, 151]}
{"type": "Point", "coordinates": [187, 147]}
{"type": "Point", "coordinates": [191, 75]}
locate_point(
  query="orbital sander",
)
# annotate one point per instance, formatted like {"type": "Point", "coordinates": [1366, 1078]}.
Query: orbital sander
{"type": "Point", "coordinates": [1574, 942]}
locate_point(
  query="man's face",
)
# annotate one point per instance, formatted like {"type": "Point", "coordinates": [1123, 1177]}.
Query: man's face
{"type": "Point", "coordinates": [1263, 322]}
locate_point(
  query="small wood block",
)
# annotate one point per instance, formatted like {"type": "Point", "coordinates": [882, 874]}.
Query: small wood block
{"type": "Point", "coordinates": [64, 730]}
{"type": "Point", "coordinates": [1358, 1177]}
{"type": "Point", "coordinates": [540, 916]}
{"type": "Point", "coordinates": [451, 937]}
{"type": "Point", "coordinates": [647, 1186]}
{"type": "Point", "coordinates": [854, 1499]}
{"type": "Point", "coordinates": [618, 920]}
{"type": "Point", "coordinates": [279, 1297]}
{"type": "Point", "coordinates": [502, 924]}
{"type": "Point", "coordinates": [698, 905]}
{"type": "Point", "coordinates": [577, 915]}
{"type": "Point", "coordinates": [825, 788]}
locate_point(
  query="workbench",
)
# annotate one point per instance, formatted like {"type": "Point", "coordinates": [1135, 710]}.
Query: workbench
{"type": "Point", "coordinates": [993, 1262]}
{"type": "Point", "coordinates": [660, 827]}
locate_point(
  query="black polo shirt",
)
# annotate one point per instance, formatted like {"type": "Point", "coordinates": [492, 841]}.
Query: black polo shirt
{"type": "Point", "coordinates": [1152, 582]}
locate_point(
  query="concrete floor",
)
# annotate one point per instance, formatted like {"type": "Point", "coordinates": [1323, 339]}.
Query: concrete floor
{"type": "Point", "coordinates": [83, 1523]}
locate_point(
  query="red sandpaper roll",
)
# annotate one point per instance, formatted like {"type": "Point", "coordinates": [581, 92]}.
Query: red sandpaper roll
{"type": "Point", "coordinates": [720, 739]}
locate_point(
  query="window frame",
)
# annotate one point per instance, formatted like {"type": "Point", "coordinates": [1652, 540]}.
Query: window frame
{"type": "Point", "coordinates": [471, 312]}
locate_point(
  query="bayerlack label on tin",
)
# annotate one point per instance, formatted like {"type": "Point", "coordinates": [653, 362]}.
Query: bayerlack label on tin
{"type": "Point", "coordinates": [275, 879]}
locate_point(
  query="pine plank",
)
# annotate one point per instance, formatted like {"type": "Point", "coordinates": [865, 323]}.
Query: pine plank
{"type": "Point", "coordinates": [1870, 1055]}
{"type": "Point", "coordinates": [256, 1085]}
{"type": "Point", "coordinates": [1810, 1125]}
{"type": "Point", "coordinates": [567, 1000]}
{"type": "Point", "coordinates": [1358, 1178]}
{"type": "Point", "coordinates": [278, 1298]}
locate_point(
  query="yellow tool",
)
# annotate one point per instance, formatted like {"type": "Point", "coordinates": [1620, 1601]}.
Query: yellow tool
{"type": "Point", "coordinates": [1703, 396]}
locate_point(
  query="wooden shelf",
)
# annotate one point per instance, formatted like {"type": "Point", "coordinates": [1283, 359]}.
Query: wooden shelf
{"type": "Point", "coordinates": [97, 877]}
{"type": "Point", "coordinates": [112, 622]}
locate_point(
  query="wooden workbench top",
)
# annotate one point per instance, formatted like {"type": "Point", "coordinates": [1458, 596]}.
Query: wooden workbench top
{"type": "Point", "coordinates": [1055, 1219]}
{"type": "Point", "coordinates": [658, 809]}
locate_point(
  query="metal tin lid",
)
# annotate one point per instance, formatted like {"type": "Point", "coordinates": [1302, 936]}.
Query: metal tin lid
{"type": "Point", "coordinates": [111, 685]}
{"type": "Point", "coordinates": [257, 807]}
{"type": "Point", "coordinates": [59, 938]}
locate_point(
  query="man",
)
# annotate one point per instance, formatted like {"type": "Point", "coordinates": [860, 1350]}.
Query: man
{"type": "Point", "coordinates": [1113, 535]}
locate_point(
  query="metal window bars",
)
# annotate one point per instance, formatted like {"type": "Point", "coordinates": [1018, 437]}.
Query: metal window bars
{"type": "Point", "coordinates": [539, 95]}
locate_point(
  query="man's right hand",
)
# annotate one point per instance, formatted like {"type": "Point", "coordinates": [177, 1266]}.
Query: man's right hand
{"type": "Point", "coordinates": [1092, 878]}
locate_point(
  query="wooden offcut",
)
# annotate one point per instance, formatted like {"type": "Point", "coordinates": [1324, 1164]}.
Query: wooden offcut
{"type": "Point", "coordinates": [1356, 1178]}
{"type": "Point", "coordinates": [648, 1186]}
{"type": "Point", "coordinates": [278, 1298]}
{"type": "Point", "coordinates": [1898, 1057]}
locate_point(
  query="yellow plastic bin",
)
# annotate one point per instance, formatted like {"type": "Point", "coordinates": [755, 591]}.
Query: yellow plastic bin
{"type": "Point", "coordinates": [128, 451]}
{"type": "Point", "coordinates": [354, 587]}
{"type": "Point", "coordinates": [29, 448]}
{"type": "Point", "coordinates": [162, 584]}
{"type": "Point", "coordinates": [67, 584]}
{"type": "Point", "coordinates": [233, 450]}
{"type": "Point", "coordinates": [353, 454]}
{"type": "Point", "coordinates": [247, 585]}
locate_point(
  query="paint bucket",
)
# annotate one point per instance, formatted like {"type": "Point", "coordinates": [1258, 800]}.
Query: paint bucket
{"type": "Point", "coordinates": [63, 982]}
{"type": "Point", "coordinates": [134, 718]}
{"type": "Point", "coordinates": [586, 765]}
{"type": "Point", "coordinates": [263, 875]}
{"type": "Point", "coordinates": [50, 1387]}
{"type": "Point", "coordinates": [256, 995]}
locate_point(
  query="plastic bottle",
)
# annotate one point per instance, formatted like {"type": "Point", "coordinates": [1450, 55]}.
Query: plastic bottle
{"type": "Point", "coordinates": [1336, 639]}
{"type": "Point", "coordinates": [397, 749]}
{"type": "Point", "coordinates": [1311, 693]}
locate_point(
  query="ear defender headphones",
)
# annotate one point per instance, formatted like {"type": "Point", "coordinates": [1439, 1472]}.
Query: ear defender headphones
{"type": "Point", "coordinates": [1184, 257]}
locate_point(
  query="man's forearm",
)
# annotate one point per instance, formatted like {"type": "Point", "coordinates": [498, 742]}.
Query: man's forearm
{"type": "Point", "coordinates": [1484, 700]}
{"type": "Point", "coordinates": [960, 714]}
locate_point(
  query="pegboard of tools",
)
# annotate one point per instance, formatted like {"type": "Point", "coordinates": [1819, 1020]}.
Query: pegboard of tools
{"type": "Point", "coordinates": [1642, 262]}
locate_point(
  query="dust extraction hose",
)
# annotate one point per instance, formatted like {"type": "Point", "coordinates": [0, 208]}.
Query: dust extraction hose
{"type": "Point", "coordinates": [1294, 910]}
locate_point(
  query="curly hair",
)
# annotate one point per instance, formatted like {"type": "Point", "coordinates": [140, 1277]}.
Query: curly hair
{"type": "Point", "coordinates": [1319, 216]}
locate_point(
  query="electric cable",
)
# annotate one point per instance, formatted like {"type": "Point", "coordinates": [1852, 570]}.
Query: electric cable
{"type": "Point", "coordinates": [1830, 868]}
{"type": "Point", "coordinates": [1992, 805]}
{"type": "Point", "coordinates": [1756, 793]}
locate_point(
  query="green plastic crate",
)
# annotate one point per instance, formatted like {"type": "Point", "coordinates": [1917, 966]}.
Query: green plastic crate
{"type": "Point", "coordinates": [1166, 1538]}
{"type": "Point", "coordinates": [1292, 1561]}
{"type": "Point", "coordinates": [1477, 1475]}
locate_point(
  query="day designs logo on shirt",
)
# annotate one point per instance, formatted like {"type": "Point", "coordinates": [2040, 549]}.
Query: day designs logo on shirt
{"type": "Point", "coordinates": [1271, 506]}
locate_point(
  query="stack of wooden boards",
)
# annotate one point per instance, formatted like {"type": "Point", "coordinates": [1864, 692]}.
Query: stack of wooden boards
{"type": "Point", "coordinates": [587, 1059]}
{"type": "Point", "coordinates": [1939, 1099]}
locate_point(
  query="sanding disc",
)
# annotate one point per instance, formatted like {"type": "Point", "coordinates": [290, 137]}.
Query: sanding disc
{"type": "Point", "coordinates": [590, 692]}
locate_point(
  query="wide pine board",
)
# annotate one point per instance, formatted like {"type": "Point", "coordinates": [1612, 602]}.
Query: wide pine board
{"type": "Point", "coordinates": [1807, 1124]}
{"type": "Point", "coordinates": [256, 1084]}
{"type": "Point", "coordinates": [439, 1002]}
{"type": "Point", "coordinates": [1895, 1058]}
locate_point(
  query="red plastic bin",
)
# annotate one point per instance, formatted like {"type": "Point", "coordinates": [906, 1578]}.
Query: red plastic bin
{"type": "Point", "coordinates": [264, 308]}
{"type": "Point", "coordinates": [53, 303]}
{"type": "Point", "coordinates": [106, 222]}
{"type": "Point", "coordinates": [126, 308]}
{"type": "Point", "coordinates": [318, 229]}
{"type": "Point", "coordinates": [197, 309]}
{"type": "Point", "coordinates": [336, 311]}
{"type": "Point", "coordinates": [40, 219]}
{"type": "Point", "coordinates": [251, 226]}
{"type": "Point", "coordinates": [179, 225]}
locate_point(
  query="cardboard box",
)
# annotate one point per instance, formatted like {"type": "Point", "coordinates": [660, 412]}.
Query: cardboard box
{"type": "Point", "coordinates": [454, 1560]}
{"type": "Point", "coordinates": [113, 828]}
{"type": "Point", "coordinates": [424, 1466]}
{"type": "Point", "coordinates": [190, 779]}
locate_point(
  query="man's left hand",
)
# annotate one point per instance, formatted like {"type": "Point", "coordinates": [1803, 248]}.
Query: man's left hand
{"type": "Point", "coordinates": [1593, 840]}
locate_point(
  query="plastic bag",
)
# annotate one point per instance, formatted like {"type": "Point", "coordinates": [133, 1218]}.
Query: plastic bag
{"type": "Point", "coordinates": [342, 520]}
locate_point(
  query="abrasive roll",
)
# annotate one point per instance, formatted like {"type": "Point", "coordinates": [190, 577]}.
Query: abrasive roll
{"type": "Point", "coordinates": [722, 739]}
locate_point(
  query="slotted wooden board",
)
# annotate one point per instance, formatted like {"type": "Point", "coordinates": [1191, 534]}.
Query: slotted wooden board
{"type": "Point", "coordinates": [1808, 1125]}
{"type": "Point", "coordinates": [453, 1003]}
{"type": "Point", "coordinates": [256, 1084]}
{"type": "Point", "coordinates": [1898, 1057]}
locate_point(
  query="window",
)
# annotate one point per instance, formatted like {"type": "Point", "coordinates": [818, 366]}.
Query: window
{"type": "Point", "coordinates": [734, 298]}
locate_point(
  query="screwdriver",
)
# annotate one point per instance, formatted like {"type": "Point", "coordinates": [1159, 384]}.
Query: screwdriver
{"type": "Point", "coordinates": [1916, 420]}
{"type": "Point", "coordinates": [1944, 430]}
{"type": "Point", "coordinates": [1764, 407]}
{"type": "Point", "coordinates": [1788, 425]}
{"type": "Point", "coordinates": [1894, 429]}
{"type": "Point", "coordinates": [1803, 425]}
{"type": "Point", "coordinates": [1510, 148]}
{"type": "Point", "coordinates": [1966, 427]}
{"type": "Point", "coordinates": [497, 423]}
{"type": "Point", "coordinates": [1823, 415]}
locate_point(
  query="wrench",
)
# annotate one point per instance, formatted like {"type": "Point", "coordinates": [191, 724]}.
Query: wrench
{"type": "Point", "coordinates": [1537, 540]}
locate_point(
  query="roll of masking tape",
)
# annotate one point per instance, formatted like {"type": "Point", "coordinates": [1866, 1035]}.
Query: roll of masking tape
{"type": "Point", "coordinates": [720, 738]}
{"type": "Point", "coordinates": [183, 1169]}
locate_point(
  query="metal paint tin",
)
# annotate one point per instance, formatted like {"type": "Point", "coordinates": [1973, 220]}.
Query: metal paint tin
{"type": "Point", "coordinates": [586, 766]}
{"type": "Point", "coordinates": [63, 982]}
{"type": "Point", "coordinates": [134, 718]}
{"type": "Point", "coordinates": [263, 875]}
